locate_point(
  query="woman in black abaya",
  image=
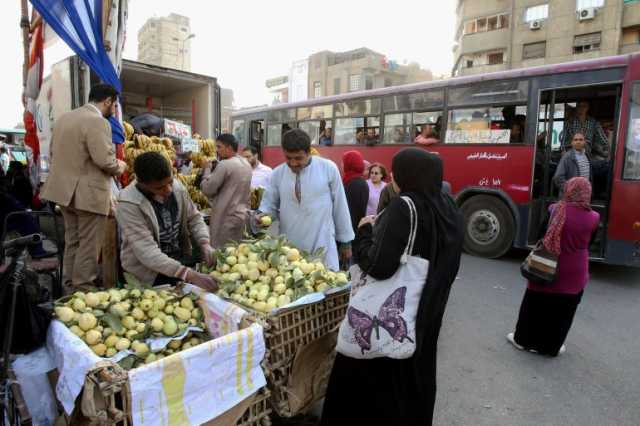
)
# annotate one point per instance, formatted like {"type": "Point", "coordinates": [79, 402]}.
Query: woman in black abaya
{"type": "Point", "coordinates": [385, 391]}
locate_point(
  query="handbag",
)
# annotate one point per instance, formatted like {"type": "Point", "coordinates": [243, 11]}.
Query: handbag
{"type": "Point", "coordinates": [540, 266]}
{"type": "Point", "coordinates": [381, 316]}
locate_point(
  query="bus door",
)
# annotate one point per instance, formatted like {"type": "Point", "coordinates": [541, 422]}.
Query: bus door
{"type": "Point", "coordinates": [557, 109]}
{"type": "Point", "coordinates": [257, 135]}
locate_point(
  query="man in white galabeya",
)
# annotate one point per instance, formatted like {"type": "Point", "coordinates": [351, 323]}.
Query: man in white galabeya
{"type": "Point", "coordinates": [306, 195]}
{"type": "Point", "coordinates": [83, 164]}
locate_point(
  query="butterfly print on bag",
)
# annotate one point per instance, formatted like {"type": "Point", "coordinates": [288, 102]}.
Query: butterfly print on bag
{"type": "Point", "coordinates": [388, 318]}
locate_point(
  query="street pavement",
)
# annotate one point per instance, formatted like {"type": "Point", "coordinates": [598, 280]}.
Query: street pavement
{"type": "Point", "coordinates": [483, 380]}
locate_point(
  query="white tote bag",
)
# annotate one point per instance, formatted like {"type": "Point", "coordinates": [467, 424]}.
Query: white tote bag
{"type": "Point", "coordinates": [381, 317]}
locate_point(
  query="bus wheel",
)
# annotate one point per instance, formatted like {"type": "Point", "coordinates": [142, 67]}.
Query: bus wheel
{"type": "Point", "coordinates": [489, 226]}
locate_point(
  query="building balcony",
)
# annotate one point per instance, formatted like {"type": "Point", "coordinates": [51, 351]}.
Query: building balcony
{"type": "Point", "coordinates": [480, 42]}
{"type": "Point", "coordinates": [631, 15]}
{"type": "Point", "coordinates": [482, 69]}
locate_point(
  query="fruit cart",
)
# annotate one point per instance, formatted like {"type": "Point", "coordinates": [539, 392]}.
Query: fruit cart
{"type": "Point", "coordinates": [213, 382]}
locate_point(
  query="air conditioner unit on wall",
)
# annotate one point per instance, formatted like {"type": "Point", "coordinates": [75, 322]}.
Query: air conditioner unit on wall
{"type": "Point", "coordinates": [535, 25]}
{"type": "Point", "coordinates": [586, 14]}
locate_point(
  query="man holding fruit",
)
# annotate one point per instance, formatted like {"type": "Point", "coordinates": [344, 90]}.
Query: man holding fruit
{"type": "Point", "coordinates": [307, 197]}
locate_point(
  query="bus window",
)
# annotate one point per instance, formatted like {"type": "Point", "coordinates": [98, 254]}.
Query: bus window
{"type": "Point", "coordinates": [490, 92]}
{"type": "Point", "coordinates": [317, 130]}
{"type": "Point", "coordinates": [274, 134]}
{"type": "Point", "coordinates": [357, 131]}
{"type": "Point", "coordinates": [632, 151]}
{"type": "Point", "coordinates": [239, 131]}
{"type": "Point", "coordinates": [427, 127]}
{"type": "Point", "coordinates": [397, 128]}
{"type": "Point", "coordinates": [487, 125]}
{"type": "Point", "coordinates": [319, 112]}
{"type": "Point", "coordinates": [349, 131]}
{"type": "Point", "coordinates": [424, 100]}
{"type": "Point", "coordinates": [363, 107]}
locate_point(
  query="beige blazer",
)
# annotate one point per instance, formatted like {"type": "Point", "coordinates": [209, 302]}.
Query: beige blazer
{"type": "Point", "coordinates": [83, 162]}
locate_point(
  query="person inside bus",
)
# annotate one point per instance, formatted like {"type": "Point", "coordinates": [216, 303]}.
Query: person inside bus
{"type": "Point", "coordinates": [597, 144]}
{"type": "Point", "coordinates": [372, 137]}
{"type": "Point", "coordinates": [516, 133]}
{"type": "Point", "coordinates": [427, 136]}
{"type": "Point", "coordinates": [325, 138]}
{"type": "Point", "coordinates": [574, 163]}
{"type": "Point", "coordinates": [360, 138]}
{"type": "Point", "coordinates": [399, 135]}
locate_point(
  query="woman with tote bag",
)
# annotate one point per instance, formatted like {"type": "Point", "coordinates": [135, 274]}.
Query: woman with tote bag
{"type": "Point", "coordinates": [373, 389]}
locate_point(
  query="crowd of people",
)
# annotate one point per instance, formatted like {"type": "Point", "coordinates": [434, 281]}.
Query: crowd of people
{"type": "Point", "coordinates": [356, 216]}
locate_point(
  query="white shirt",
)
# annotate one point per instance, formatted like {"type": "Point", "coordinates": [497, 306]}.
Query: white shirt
{"type": "Point", "coordinates": [260, 176]}
{"type": "Point", "coordinates": [321, 217]}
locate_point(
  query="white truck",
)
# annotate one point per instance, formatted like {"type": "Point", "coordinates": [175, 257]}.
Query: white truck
{"type": "Point", "coordinates": [179, 96]}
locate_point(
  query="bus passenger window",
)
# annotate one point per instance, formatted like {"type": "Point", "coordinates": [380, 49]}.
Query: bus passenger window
{"type": "Point", "coordinates": [349, 131]}
{"type": "Point", "coordinates": [397, 128]}
{"type": "Point", "coordinates": [238, 131]}
{"type": "Point", "coordinates": [428, 126]}
{"type": "Point", "coordinates": [487, 125]}
{"type": "Point", "coordinates": [274, 134]}
{"type": "Point", "coordinates": [317, 131]}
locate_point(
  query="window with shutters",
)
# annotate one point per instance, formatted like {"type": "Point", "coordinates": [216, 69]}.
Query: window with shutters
{"type": "Point", "coordinates": [354, 82]}
{"type": "Point", "coordinates": [495, 58]}
{"type": "Point", "coordinates": [584, 4]}
{"type": "Point", "coordinates": [536, 13]}
{"type": "Point", "coordinates": [534, 50]}
{"type": "Point", "coordinates": [631, 35]}
{"type": "Point", "coordinates": [587, 42]}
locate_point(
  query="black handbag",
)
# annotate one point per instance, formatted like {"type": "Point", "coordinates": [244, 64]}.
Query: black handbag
{"type": "Point", "coordinates": [540, 266]}
{"type": "Point", "coordinates": [31, 320]}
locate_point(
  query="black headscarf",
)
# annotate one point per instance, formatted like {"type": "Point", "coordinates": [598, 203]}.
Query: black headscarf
{"type": "Point", "coordinates": [419, 174]}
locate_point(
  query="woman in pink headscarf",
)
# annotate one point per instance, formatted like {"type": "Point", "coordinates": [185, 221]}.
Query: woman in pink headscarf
{"type": "Point", "coordinates": [547, 311]}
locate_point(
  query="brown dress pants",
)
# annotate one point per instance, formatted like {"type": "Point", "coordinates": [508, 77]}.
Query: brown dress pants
{"type": "Point", "coordinates": [83, 236]}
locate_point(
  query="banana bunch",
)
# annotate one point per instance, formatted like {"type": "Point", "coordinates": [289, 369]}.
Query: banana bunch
{"type": "Point", "coordinates": [143, 143]}
{"type": "Point", "coordinates": [207, 147]}
{"type": "Point", "coordinates": [256, 197]}
{"type": "Point", "coordinates": [126, 319]}
{"type": "Point", "coordinates": [194, 192]}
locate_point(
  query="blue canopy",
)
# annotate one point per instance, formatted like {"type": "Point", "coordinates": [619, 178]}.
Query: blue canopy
{"type": "Point", "coordinates": [79, 24]}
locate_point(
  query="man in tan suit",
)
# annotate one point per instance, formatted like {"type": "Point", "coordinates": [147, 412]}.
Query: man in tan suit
{"type": "Point", "coordinates": [83, 164]}
{"type": "Point", "coordinates": [228, 187]}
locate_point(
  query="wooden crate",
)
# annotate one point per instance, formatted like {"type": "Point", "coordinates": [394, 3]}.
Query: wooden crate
{"type": "Point", "coordinates": [287, 335]}
{"type": "Point", "coordinates": [106, 400]}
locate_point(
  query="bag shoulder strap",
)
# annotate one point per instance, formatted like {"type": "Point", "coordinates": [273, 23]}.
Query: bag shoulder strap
{"type": "Point", "coordinates": [413, 217]}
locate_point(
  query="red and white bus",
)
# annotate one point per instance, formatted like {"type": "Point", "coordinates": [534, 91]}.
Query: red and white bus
{"type": "Point", "coordinates": [500, 137]}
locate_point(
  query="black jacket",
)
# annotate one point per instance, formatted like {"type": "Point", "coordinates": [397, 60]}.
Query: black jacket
{"type": "Point", "coordinates": [357, 192]}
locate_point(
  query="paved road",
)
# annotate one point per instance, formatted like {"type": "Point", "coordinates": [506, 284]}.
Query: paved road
{"type": "Point", "coordinates": [483, 380]}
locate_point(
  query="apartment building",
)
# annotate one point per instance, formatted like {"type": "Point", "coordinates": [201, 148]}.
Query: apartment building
{"type": "Point", "coordinates": [166, 42]}
{"type": "Point", "coordinates": [494, 35]}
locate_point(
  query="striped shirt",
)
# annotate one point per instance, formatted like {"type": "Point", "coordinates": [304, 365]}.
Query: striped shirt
{"type": "Point", "coordinates": [584, 167]}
